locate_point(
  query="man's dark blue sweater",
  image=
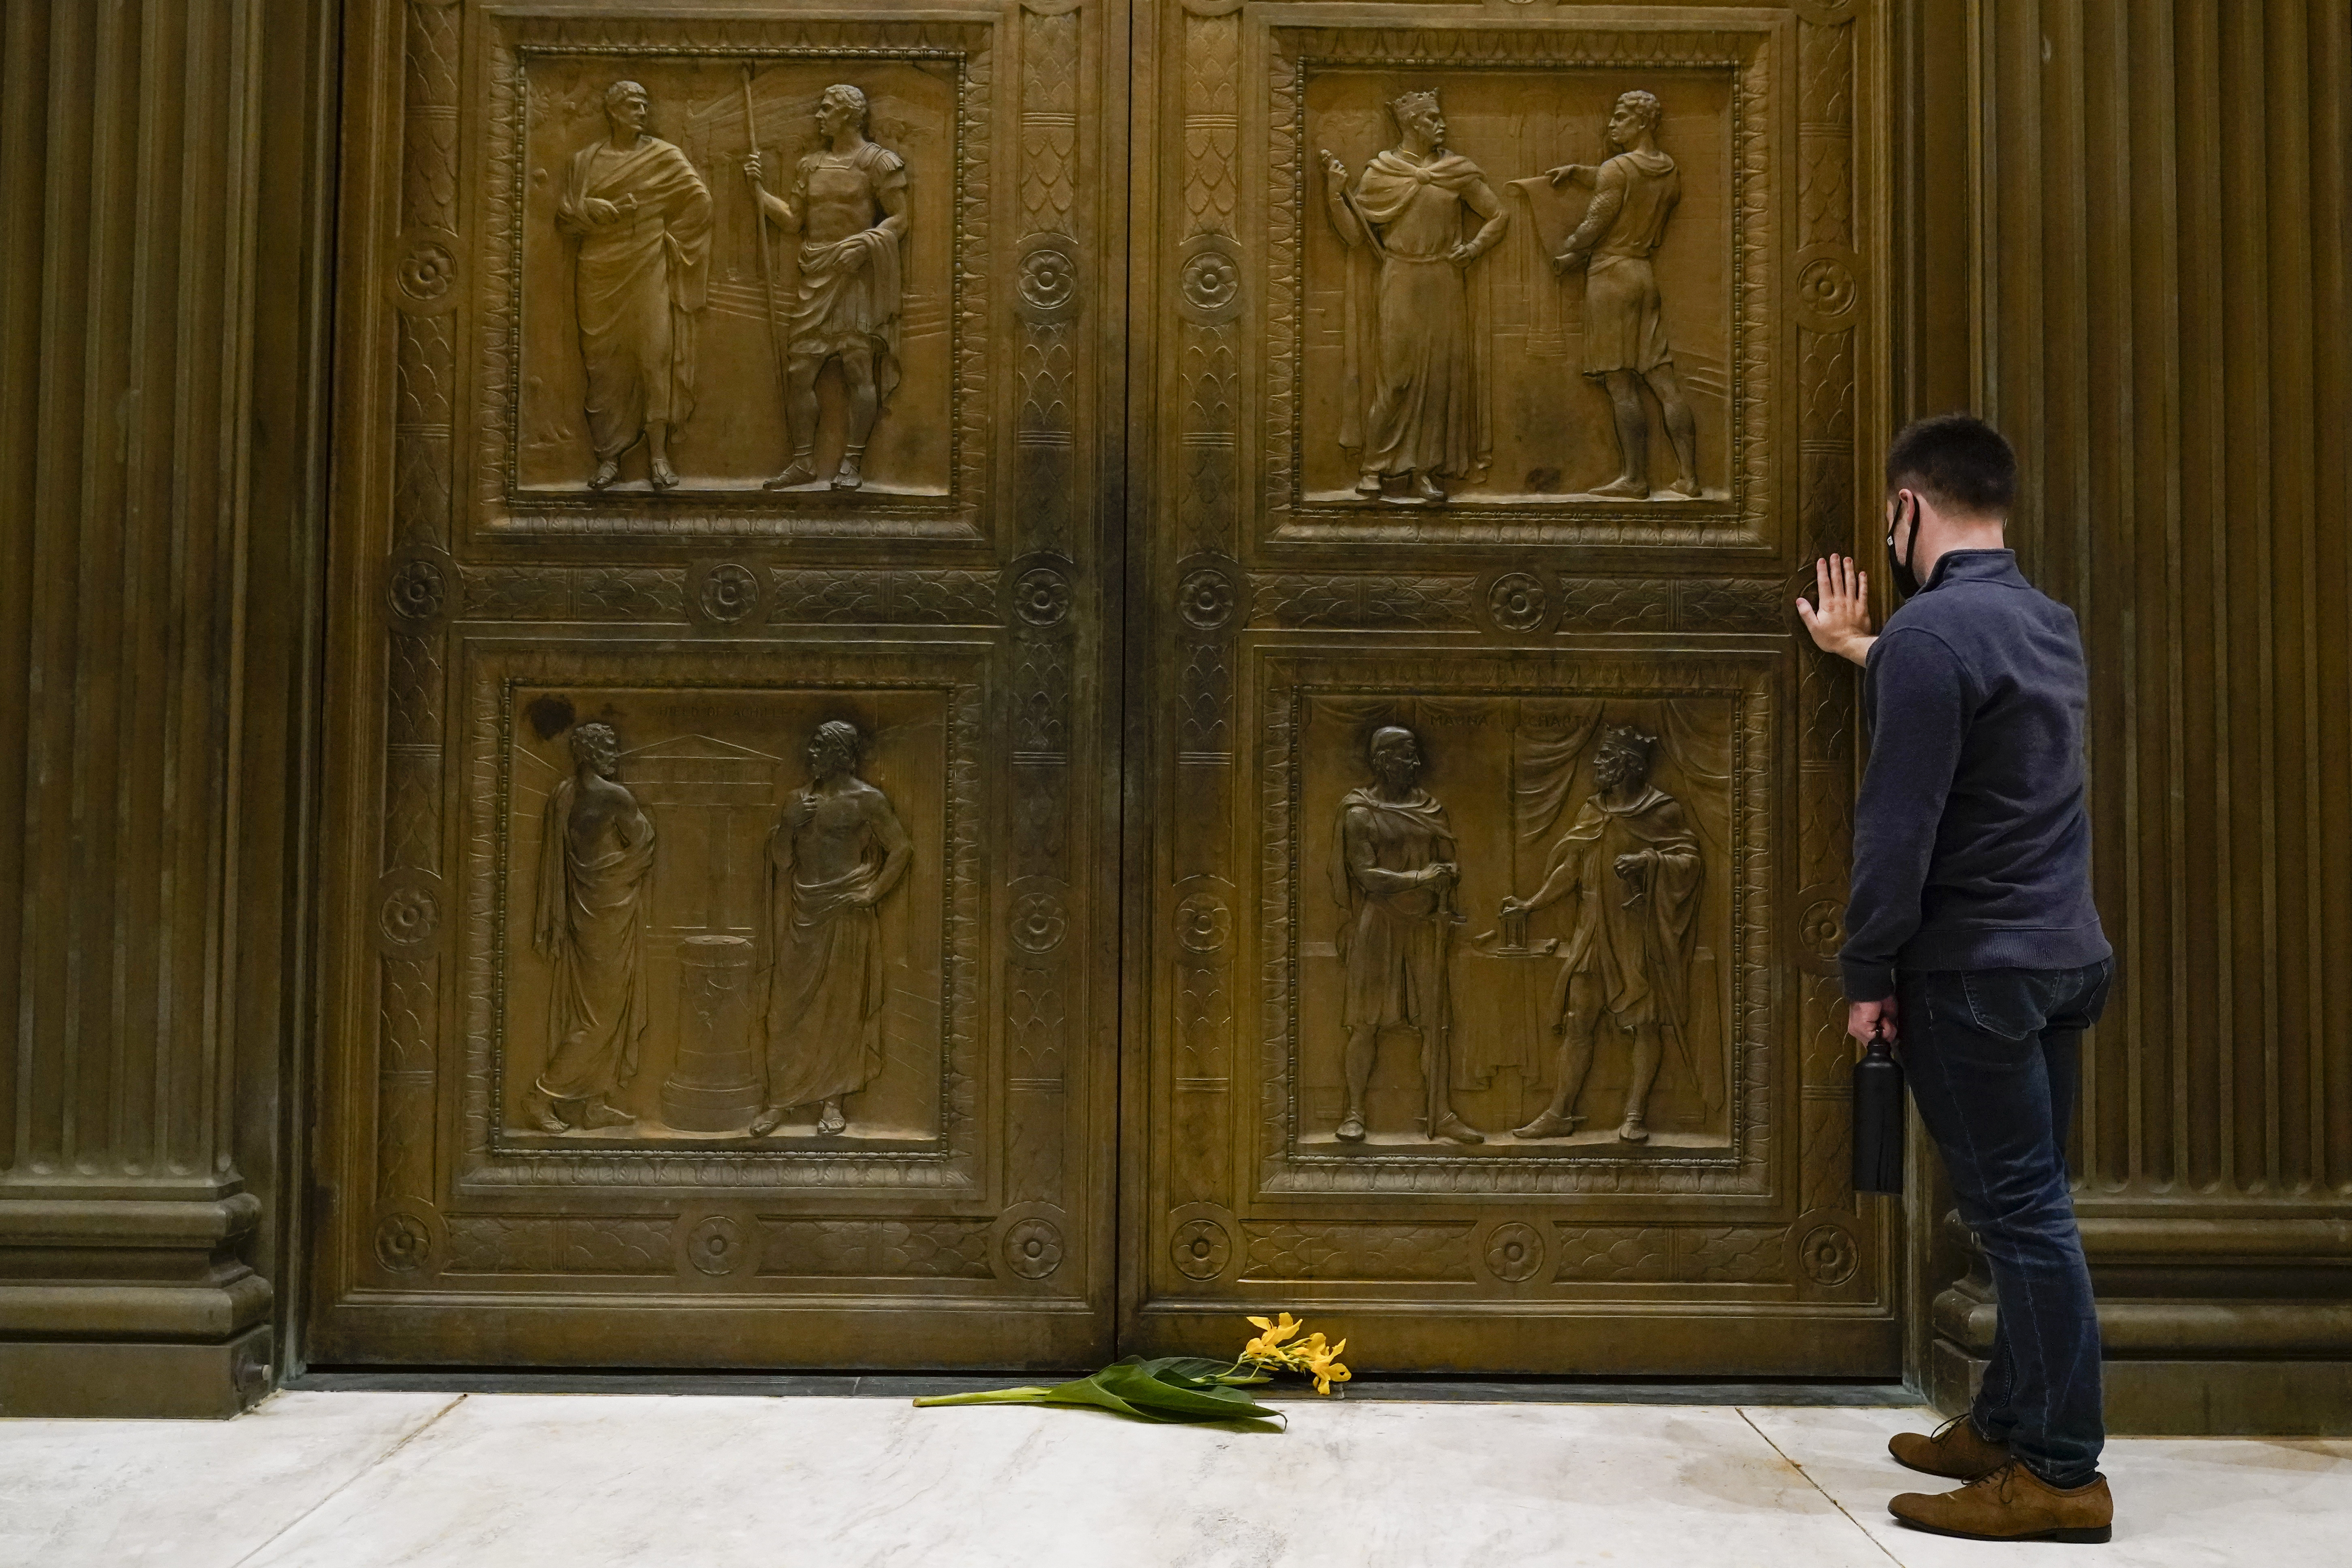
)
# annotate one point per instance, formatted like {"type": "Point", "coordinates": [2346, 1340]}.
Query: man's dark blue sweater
{"type": "Point", "coordinates": [1971, 842]}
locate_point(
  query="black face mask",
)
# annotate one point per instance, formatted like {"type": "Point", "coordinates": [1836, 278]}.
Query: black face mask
{"type": "Point", "coordinates": [1900, 572]}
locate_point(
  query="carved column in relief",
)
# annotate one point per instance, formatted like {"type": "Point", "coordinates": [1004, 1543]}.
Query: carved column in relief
{"type": "Point", "coordinates": [1047, 282]}
{"type": "Point", "coordinates": [1210, 605]}
{"type": "Point", "coordinates": [716, 1085]}
{"type": "Point", "coordinates": [1827, 309]}
{"type": "Point", "coordinates": [426, 296]}
{"type": "Point", "coordinates": [1209, 281]}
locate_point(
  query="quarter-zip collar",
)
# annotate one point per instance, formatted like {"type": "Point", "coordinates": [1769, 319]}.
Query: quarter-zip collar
{"type": "Point", "coordinates": [1995, 566]}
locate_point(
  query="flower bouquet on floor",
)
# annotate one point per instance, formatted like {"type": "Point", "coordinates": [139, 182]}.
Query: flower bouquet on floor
{"type": "Point", "coordinates": [1187, 1388]}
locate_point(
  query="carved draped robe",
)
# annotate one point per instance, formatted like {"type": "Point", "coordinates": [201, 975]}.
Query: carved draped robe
{"type": "Point", "coordinates": [1393, 939]}
{"type": "Point", "coordinates": [1637, 940]}
{"type": "Point", "coordinates": [824, 1016]}
{"type": "Point", "coordinates": [1415, 370]}
{"type": "Point", "coordinates": [587, 925]}
{"type": "Point", "coordinates": [640, 283]}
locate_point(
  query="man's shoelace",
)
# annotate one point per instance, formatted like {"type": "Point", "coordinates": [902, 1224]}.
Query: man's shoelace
{"type": "Point", "coordinates": [1996, 1481]}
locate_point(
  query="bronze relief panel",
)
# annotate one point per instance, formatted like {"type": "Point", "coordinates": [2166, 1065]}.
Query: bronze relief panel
{"type": "Point", "coordinates": [1518, 279]}
{"type": "Point", "coordinates": [1516, 920]}
{"type": "Point", "coordinates": [1512, 356]}
{"type": "Point", "coordinates": [739, 274]}
{"type": "Point", "coordinates": [728, 915]}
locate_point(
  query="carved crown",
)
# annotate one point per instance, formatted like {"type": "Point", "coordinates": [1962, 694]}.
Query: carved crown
{"type": "Point", "coordinates": [1633, 739]}
{"type": "Point", "coordinates": [1411, 104]}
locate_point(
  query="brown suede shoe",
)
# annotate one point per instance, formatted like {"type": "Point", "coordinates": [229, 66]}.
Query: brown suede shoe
{"type": "Point", "coordinates": [1953, 1449]}
{"type": "Point", "coordinates": [2012, 1504]}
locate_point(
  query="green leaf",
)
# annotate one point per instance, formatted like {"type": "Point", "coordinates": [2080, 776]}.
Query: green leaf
{"type": "Point", "coordinates": [1132, 1382]}
{"type": "Point", "coordinates": [1183, 1371]}
{"type": "Point", "coordinates": [1031, 1395]}
{"type": "Point", "coordinates": [1132, 1387]}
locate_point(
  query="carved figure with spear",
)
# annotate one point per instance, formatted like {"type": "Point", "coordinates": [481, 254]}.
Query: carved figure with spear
{"type": "Point", "coordinates": [848, 201]}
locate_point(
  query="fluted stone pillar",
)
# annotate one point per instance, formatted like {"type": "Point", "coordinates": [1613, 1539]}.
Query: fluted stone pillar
{"type": "Point", "coordinates": [159, 185]}
{"type": "Point", "coordinates": [2143, 281]}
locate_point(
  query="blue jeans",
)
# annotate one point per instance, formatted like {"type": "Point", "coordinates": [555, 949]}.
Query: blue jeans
{"type": "Point", "coordinates": [1992, 1057]}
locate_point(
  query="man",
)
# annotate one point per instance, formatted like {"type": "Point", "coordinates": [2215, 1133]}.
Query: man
{"type": "Point", "coordinates": [1971, 939]}
{"type": "Point", "coordinates": [1634, 865]}
{"type": "Point", "coordinates": [837, 852]}
{"type": "Point", "coordinates": [642, 218]}
{"type": "Point", "coordinates": [1416, 411]}
{"type": "Point", "coordinates": [595, 853]}
{"type": "Point", "coordinates": [1393, 872]}
{"type": "Point", "coordinates": [1633, 193]}
{"type": "Point", "coordinates": [849, 201]}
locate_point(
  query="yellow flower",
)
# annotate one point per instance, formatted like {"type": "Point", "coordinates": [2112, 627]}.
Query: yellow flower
{"type": "Point", "coordinates": [1323, 1364]}
{"type": "Point", "coordinates": [1267, 1345]}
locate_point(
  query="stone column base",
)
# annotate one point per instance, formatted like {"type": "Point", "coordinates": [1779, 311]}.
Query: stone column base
{"type": "Point", "coordinates": [2175, 1367]}
{"type": "Point", "coordinates": [111, 1378]}
{"type": "Point", "coordinates": [130, 1308]}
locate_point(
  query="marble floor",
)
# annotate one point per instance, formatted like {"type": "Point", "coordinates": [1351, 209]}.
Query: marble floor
{"type": "Point", "coordinates": [535, 1480]}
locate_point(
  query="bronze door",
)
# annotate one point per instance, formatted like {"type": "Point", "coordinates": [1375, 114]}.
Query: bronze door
{"type": "Point", "coordinates": [724, 837]}
{"type": "Point", "coordinates": [1465, 577]}
{"type": "Point", "coordinates": [929, 748]}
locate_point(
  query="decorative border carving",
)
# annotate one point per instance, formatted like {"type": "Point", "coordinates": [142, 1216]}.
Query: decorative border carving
{"type": "Point", "coordinates": [850, 595]}
{"type": "Point", "coordinates": [876, 1248]}
{"type": "Point", "coordinates": [1315, 1249]}
{"type": "Point", "coordinates": [636, 595]}
{"type": "Point", "coordinates": [1436, 602]}
{"type": "Point", "coordinates": [494, 666]}
{"type": "Point", "coordinates": [501, 507]}
{"type": "Point", "coordinates": [1284, 681]}
{"type": "Point", "coordinates": [1747, 55]}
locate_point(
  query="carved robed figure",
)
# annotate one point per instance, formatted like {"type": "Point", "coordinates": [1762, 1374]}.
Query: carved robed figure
{"type": "Point", "coordinates": [595, 853]}
{"type": "Point", "coordinates": [849, 202]}
{"type": "Point", "coordinates": [1633, 863]}
{"type": "Point", "coordinates": [837, 852]}
{"type": "Point", "coordinates": [1634, 194]}
{"type": "Point", "coordinates": [1393, 872]}
{"type": "Point", "coordinates": [642, 217]}
{"type": "Point", "coordinates": [1416, 407]}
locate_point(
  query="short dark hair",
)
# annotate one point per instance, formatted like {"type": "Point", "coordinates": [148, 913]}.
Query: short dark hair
{"type": "Point", "coordinates": [1958, 461]}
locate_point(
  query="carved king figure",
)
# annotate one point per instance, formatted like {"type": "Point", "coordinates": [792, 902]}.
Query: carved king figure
{"type": "Point", "coordinates": [1416, 407]}
{"type": "Point", "coordinates": [837, 852]}
{"type": "Point", "coordinates": [596, 851]}
{"type": "Point", "coordinates": [1634, 866]}
{"type": "Point", "coordinates": [1393, 872]}
{"type": "Point", "coordinates": [642, 217]}
{"type": "Point", "coordinates": [849, 202]}
{"type": "Point", "coordinates": [1633, 193]}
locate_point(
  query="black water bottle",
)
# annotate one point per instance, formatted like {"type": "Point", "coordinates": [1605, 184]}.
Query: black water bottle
{"type": "Point", "coordinates": [1877, 1120]}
